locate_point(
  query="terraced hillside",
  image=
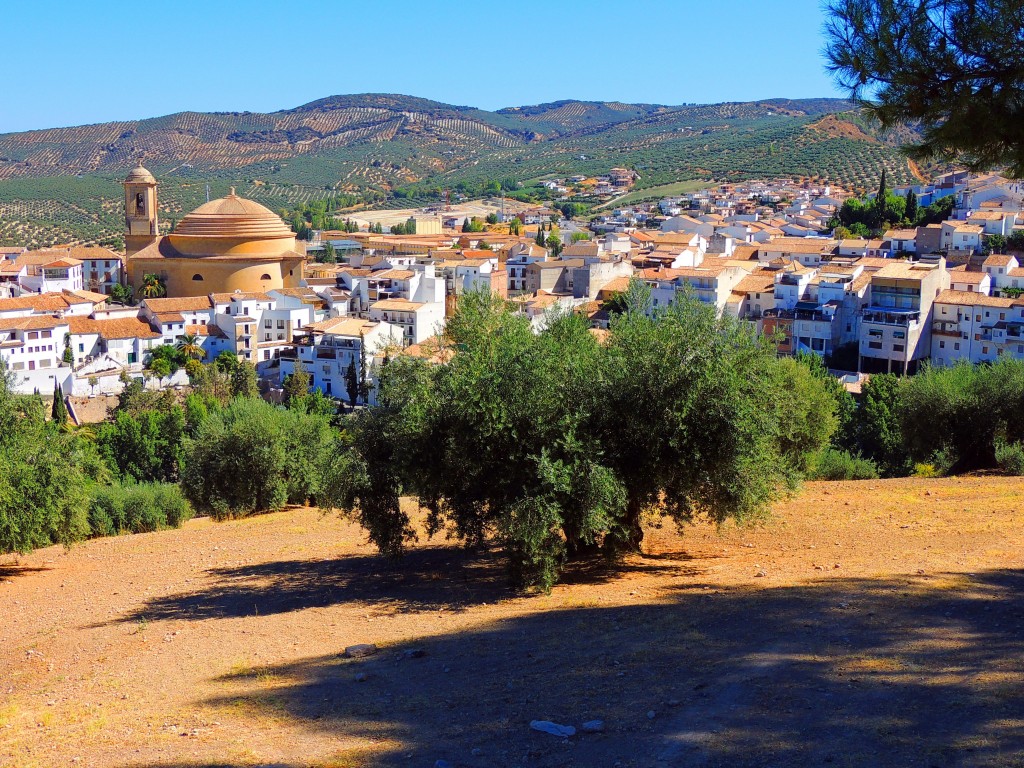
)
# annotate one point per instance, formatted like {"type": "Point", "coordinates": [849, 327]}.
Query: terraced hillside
{"type": "Point", "coordinates": [382, 142]}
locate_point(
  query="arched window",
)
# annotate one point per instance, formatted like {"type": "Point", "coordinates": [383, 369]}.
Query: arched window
{"type": "Point", "coordinates": [264, 276]}
{"type": "Point", "coordinates": [140, 204]}
{"type": "Point", "coordinates": [197, 277]}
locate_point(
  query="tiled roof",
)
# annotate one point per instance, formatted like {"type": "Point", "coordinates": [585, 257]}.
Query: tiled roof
{"type": "Point", "coordinates": [116, 328]}
{"type": "Point", "coordinates": [397, 305]}
{"type": "Point", "coordinates": [972, 299]}
{"type": "Point", "coordinates": [31, 323]}
{"type": "Point", "coordinates": [224, 298]}
{"type": "Point", "coordinates": [183, 304]}
{"type": "Point", "coordinates": [998, 260]}
{"type": "Point", "coordinates": [342, 326]}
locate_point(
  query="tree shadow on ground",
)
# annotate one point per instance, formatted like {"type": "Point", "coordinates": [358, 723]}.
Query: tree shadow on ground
{"type": "Point", "coordinates": [426, 579]}
{"type": "Point", "coordinates": [12, 570]}
{"type": "Point", "coordinates": [914, 671]}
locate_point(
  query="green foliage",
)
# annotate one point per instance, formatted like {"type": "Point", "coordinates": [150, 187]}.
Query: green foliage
{"type": "Point", "coordinates": [253, 457]}
{"type": "Point", "coordinates": [946, 68]}
{"type": "Point", "coordinates": [145, 445]}
{"type": "Point", "coordinates": [1010, 457]}
{"type": "Point", "coordinates": [877, 425]}
{"type": "Point", "coordinates": [910, 209]}
{"type": "Point", "coordinates": [59, 410]}
{"type": "Point", "coordinates": [244, 381]}
{"type": "Point", "coordinates": [121, 294]}
{"type": "Point", "coordinates": [296, 384]}
{"type": "Point", "coordinates": [473, 224]}
{"type": "Point", "coordinates": [43, 488]}
{"type": "Point", "coordinates": [573, 443]}
{"type": "Point", "coordinates": [833, 464]}
{"type": "Point", "coordinates": [140, 508]}
{"type": "Point", "coordinates": [962, 413]}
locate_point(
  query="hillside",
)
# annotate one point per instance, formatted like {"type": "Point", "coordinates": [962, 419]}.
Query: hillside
{"type": "Point", "coordinates": [866, 624]}
{"type": "Point", "coordinates": [380, 142]}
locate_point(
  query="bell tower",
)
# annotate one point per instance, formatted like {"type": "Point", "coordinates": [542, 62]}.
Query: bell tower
{"type": "Point", "coordinates": [141, 226]}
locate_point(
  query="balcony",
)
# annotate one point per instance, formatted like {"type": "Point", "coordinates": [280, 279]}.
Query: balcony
{"type": "Point", "coordinates": [904, 318]}
{"type": "Point", "coordinates": [946, 328]}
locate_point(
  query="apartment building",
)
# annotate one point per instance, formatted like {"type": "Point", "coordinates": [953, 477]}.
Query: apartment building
{"type": "Point", "coordinates": [895, 332]}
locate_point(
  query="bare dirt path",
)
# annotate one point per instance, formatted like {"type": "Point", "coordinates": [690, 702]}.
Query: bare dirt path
{"type": "Point", "coordinates": [867, 624]}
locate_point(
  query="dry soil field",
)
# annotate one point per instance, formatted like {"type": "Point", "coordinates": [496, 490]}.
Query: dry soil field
{"type": "Point", "coordinates": [868, 624]}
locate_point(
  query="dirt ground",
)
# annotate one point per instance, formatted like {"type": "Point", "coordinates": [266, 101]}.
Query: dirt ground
{"type": "Point", "coordinates": [480, 208]}
{"type": "Point", "coordinates": [867, 624]}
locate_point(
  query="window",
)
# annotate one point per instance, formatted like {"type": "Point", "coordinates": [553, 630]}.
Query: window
{"type": "Point", "coordinates": [875, 344]}
{"type": "Point", "coordinates": [266, 355]}
{"type": "Point", "coordinates": [977, 337]}
{"type": "Point", "coordinates": [942, 345]}
{"type": "Point", "coordinates": [984, 350]}
{"type": "Point", "coordinates": [197, 278]}
{"type": "Point", "coordinates": [280, 325]}
{"type": "Point", "coordinates": [81, 347]}
{"type": "Point", "coordinates": [47, 334]}
{"type": "Point", "coordinates": [956, 345]}
{"type": "Point", "coordinates": [264, 276]}
{"type": "Point", "coordinates": [268, 324]}
{"type": "Point", "coordinates": [897, 347]}
{"type": "Point", "coordinates": [899, 335]}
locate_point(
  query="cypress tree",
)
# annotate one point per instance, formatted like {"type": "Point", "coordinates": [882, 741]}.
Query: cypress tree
{"type": "Point", "coordinates": [881, 208]}
{"type": "Point", "coordinates": [59, 412]}
{"type": "Point", "coordinates": [911, 211]}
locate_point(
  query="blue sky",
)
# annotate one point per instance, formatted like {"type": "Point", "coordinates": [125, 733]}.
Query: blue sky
{"type": "Point", "coordinates": [70, 63]}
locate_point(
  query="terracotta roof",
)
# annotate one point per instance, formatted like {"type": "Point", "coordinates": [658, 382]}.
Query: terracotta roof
{"type": "Point", "coordinates": [397, 305]}
{"type": "Point", "coordinates": [169, 317]}
{"type": "Point", "coordinates": [616, 285]}
{"type": "Point", "coordinates": [224, 298]}
{"type": "Point", "coordinates": [755, 283]}
{"type": "Point", "coordinates": [969, 278]}
{"type": "Point", "coordinates": [117, 328]}
{"type": "Point", "coordinates": [394, 274]}
{"type": "Point", "coordinates": [972, 299]}
{"type": "Point", "coordinates": [998, 260]}
{"type": "Point", "coordinates": [37, 302]}
{"type": "Point", "coordinates": [31, 323]}
{"type": "Point", "coordinates": [342, 326]}
{"type": "Point", "coordinates": [897, 269]}
{"type": "Point", "coordinates": [182, 304]}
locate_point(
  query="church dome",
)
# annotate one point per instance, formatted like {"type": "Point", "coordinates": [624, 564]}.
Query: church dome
{"type": "Point", "coordinates": [233, 217]}
{"type": "Point", "coordinates": [139, 175]}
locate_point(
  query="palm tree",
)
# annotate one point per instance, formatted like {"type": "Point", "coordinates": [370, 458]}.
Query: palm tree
{"type": "Point", "coordinates": [188, 344]}
{"type": "Point", "coordinates": [152, 286]}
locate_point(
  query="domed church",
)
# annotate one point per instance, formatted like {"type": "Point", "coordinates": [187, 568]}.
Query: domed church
{"type": "Point", "coordinates": [226, 245]}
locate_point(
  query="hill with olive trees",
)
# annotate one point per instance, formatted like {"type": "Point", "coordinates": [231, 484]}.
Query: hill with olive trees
{"type": "Point", "coordinates": [61, 184]}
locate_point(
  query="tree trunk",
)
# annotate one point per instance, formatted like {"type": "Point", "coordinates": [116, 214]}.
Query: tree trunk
{"type": "Point", "coordinates": [630, 535]}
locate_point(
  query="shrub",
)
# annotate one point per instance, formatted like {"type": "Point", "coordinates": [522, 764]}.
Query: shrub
{"type": "Point", "coordinates": [1010, 457]}
{"type": "Point", "coordinates": [141, 514]}
{"type": "Point", "coordinates": [254, 457]}
{"type": "Point", "coordinates": [106, 510]}
{"type": "Point", "coordinates": [136, 508]}
{"type": "Point", "coordinates": [926, 470]}
{"type": "Point", "coordinates": [842, 465]}
{"type": "Point", "coordinates": [172, 504]}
